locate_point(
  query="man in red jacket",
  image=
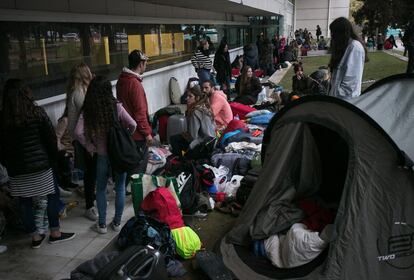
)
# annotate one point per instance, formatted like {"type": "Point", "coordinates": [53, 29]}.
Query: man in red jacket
{"type": "Point", "coordinates": [131, 93]}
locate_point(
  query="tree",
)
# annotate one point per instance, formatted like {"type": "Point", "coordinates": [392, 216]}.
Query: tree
{"type": "Point", "coordinates": [380, 14]}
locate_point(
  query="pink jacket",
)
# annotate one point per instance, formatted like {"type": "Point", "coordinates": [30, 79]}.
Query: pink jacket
{"type": "Point", "coordinates": [99, 144]}
{"type": "Point", "coordinates": [221, 108]}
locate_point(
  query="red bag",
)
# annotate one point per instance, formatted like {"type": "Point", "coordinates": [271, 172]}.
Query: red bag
{"type": "Point", "coordinates": [163, 207]}
{"type": "Point", "coordinates": [235, 72]}
{"type": "Point", "coordinates": [162, 128]}
{"type": "Point", "coordinates": [240, 109]}
{"type": "Point", "coordinates": [259, 73]}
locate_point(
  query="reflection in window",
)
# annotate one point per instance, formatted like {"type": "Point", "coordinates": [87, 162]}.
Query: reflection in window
{"type": "Point", "coordinates": [42, 54]}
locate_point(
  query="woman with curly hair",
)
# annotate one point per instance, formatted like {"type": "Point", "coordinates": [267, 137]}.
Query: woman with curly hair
{"type": "Point", "coordinates": [28, 149]}
{"type": "Point", "coordinates": [247, 87]}
{"type": "Point", "coordinates": [200, 123]}
{"type": "Point", "coordinates": [79, 79]}
{"type": "Point", "coordinates": [96, 119]}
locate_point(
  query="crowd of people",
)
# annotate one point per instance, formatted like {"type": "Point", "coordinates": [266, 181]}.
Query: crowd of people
{"type": "Point", "coordinates": [36, 155]}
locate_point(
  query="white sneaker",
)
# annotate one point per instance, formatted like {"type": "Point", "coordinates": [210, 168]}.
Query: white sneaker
{"type": "Point", "coordinates": [91, 214]}
{"type": "Point", "coordinates": [64, 193]}
{"type": "Point", "coordinates": [102, 229]}
{"type": "Point", "coordinates": [116, 227]}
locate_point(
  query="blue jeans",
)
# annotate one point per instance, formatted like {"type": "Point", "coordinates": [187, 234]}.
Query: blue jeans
{"type": "Point", "coordinates": [102, 174]}
{"type": "Point", "coordinates": [203, 75]}
{"type": "Point", "coordinates": [28, 217]}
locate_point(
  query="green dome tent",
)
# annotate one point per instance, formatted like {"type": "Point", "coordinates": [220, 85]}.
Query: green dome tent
{"type": "Point", "coordinates": [323, 146]}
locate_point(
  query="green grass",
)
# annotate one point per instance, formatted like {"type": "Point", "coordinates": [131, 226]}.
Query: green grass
{"type": "Point", "coordinates": [380, 65]}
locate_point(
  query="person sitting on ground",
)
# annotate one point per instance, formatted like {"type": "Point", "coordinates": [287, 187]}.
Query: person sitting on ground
{"type": "Point", "coordinates": [219, 105]}
{"type": "Point", "coordinates": [190, 83]}
{"type": "Point", "coordinates": [200, 124]}
{"type": "Point", "coordinates": [390, 43]}
{"type": "Point", "coordinates": [95, 121]}
{"type": "Point", "coordinates": [322, 44]}
{"type": "Point", "coordinates": [299, 80]}
{"type": "Point", "coordinates": [247, 87]}
{"type": "Point", "coordinates": [305, 48]}
{"type": "Point", "coordinates": [28, 149]}
{"type": "Point", "coordinates": [288, 55]}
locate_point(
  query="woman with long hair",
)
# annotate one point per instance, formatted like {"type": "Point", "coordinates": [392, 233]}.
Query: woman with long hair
{"type": "Point", "coordinates": [79, 78]}
{"type": "Point", "coordinates": [347, 60]}
{"type": "Point", "coordinates": [247, 87]}
{"type": "Point", "coordinates": [97, 117]}
{"type": "Point", "coordinates": [222, 65]}
{"type": "Point", "coordinates": [200, 123]}
{"type": "Point", "coordinates": [28, 149]}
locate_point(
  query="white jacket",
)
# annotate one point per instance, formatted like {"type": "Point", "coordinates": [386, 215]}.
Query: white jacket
{"type": "Point", "coordinates": [347, 77]}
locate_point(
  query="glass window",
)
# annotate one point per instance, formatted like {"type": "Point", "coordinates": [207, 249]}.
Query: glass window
{"type": "Point", "coordinates": [42, 54]}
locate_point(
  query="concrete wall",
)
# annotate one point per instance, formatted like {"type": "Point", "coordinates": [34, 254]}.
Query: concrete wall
{"type": "Point", "coordinates": [156, 85]}
{"type": "Point", "coordinates": [310, 13]}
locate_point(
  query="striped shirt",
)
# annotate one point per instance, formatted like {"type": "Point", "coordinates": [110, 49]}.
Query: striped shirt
{"type": "Point", "coordinates": [201, 61]}
{"type": "Point", "coordinates": [33, 184]}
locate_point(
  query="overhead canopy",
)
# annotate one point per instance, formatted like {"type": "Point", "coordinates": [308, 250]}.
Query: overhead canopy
{"type": "Point", "coordinates": [231, 7]}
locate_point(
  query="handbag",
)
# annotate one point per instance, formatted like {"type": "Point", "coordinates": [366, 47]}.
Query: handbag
{"type": "Point", "coordinates": [122, 151]}
{"type": "Point", "coordinates": [143, 184]}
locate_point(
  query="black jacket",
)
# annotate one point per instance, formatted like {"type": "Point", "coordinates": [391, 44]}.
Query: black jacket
{"type": "Point", "coordinates": [251, 56]}
{"type": "Point", "coordinates": [222, 66]}
{"type": "Point", "coordinates": [28, 148]}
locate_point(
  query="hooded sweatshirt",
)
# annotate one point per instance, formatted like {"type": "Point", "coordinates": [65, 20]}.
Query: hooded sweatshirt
{"type": "Point", "coordinates": [132, 95]}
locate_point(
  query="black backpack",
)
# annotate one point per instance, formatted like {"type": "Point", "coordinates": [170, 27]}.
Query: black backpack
{"type": "Point", "coordinates": [122, 151]}
{"type": "Point", "coordinates": [143, 230]}
{"type": "Point", "coordinates": [189, 194]}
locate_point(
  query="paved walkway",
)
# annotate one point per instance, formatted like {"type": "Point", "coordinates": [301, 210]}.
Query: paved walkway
{"type": "Point", "coordinates": [56, 261]}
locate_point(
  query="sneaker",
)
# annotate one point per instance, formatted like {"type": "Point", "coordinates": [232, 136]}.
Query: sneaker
{"type": "Point", "coordinates": [116, 227]}
{"type": "Point", "coordinates": [100, 228]}
{"type": "Point", "coordinates": [64, 236]}
{"type": "Point", "coordinates": [91, 214]}
{"type": "Point", "coordinates": [200, 214]}
{"type": "Point", "coordinates": [36, 244]}
{"type": "Point", "coordinates": [64, 193]}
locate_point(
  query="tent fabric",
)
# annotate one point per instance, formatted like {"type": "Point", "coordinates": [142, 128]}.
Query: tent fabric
{"type": "Point", "coordinates": [390, 103]}
{"type": "Point", "coordinates": [374, 194]}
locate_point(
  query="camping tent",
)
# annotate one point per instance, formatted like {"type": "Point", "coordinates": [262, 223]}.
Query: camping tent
{"type": "Point", "coordinates": [390, 102]}
{"type": "Point", "coordinates": [325, 146]}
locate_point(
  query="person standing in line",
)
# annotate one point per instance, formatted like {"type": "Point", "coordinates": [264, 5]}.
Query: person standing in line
{"type": "Point", "coordinates": [79, 79]}
{"type": "Point", "coordinates": [223, 67]}
{"type": "Point", "coordinates": [347, 60]}
{"type": "Point", "coordinates": [202, 62]}
{"type": "Point", "coordinates": [92, 129]}
{"type": "Point", "coordinates": [318, 32]}
{"type": "Point", "coordinates": [28, 149]}
{"type": "Point", "coordinates": [130, 92]}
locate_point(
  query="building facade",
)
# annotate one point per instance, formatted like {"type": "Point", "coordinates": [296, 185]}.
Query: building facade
{"type": "Point", "coordinates": [41, 40]}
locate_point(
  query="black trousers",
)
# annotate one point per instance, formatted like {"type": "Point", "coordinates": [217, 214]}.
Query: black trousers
{"type": "Point", "coordinates": [87, 163]}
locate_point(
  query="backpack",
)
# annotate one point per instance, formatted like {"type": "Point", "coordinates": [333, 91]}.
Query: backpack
{"type": "Point", "coordinates": [163, 206]}
{"type": "Point", "coordinates": [188, 194]}
{"type": "Point", "coordinates": [175, 91]}
{"type": "Point", "coordinates": [122, 151]}
{"type": "Point", "coordinates": [144, 230]}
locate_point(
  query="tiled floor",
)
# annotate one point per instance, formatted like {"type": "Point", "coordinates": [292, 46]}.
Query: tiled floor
{"type": "Point", "coordinates": [58, 260]}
